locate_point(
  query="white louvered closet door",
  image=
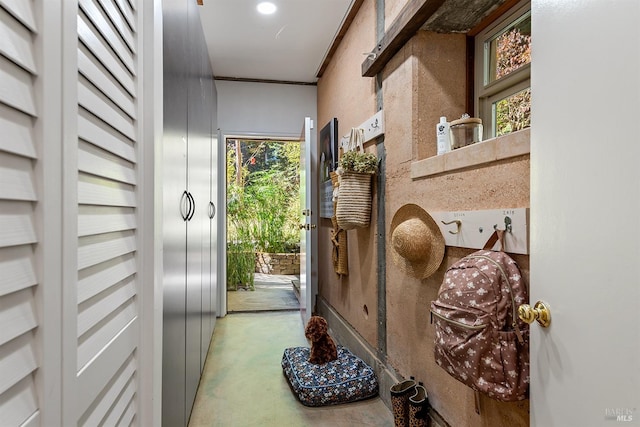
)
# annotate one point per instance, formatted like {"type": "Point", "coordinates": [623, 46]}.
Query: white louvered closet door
{"type": "Point", "coordinates": [19, 196]}
{"type": "Point", "coordinates": [76, 259]}
{"type": "Point", "coordinates": [108, 283]}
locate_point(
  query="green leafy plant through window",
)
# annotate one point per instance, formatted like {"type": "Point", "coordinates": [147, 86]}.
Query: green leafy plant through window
{"type": "Point", "coordinates": [503, 83]}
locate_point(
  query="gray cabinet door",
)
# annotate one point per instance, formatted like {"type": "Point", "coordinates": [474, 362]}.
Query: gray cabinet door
{"type": "Point", "coordinates": [176, 209]}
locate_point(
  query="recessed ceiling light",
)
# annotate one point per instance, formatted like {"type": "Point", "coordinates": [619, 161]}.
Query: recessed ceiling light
{"type": "Point", "coordinates": [266, 8]}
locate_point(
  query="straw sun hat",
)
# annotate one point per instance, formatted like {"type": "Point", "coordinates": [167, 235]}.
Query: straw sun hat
{"type": "Point", "coordinates": [417, 245]}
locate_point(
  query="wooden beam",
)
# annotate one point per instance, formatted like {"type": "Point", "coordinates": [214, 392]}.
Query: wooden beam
{"type": "Point", "coordinates": [408, 22]}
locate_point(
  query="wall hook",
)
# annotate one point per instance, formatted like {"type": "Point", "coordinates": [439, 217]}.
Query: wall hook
{"type": "Point", "coordinates": [507, 225]}
{"type": "Point", "coordinates": [457, 222]}
{"type": "Point", "coordinates": [371, 55]}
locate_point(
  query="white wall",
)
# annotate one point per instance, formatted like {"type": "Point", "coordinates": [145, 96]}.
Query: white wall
{"type": "Point", "coordinates": [266, 109]}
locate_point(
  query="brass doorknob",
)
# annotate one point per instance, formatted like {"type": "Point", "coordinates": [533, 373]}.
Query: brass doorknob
{"type": "Point", "coordinates": [539, 312]}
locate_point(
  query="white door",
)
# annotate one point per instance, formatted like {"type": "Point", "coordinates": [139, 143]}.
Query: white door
{"type": "Point", "coordinates": [308, 221]}
{"type": "Point", "coordinates": [585, 201]}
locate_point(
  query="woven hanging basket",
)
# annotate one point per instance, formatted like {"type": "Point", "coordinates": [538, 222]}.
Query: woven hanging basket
{"type": "Point", "coordinates": [354, 202]}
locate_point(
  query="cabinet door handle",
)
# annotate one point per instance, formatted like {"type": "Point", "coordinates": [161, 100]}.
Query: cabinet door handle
{"type": "Point", "coordinates": [192, 209]}
{"type": "Point", "coordinates": [212, 210]}
{"type": "Point", "coordinates": [184, 200]}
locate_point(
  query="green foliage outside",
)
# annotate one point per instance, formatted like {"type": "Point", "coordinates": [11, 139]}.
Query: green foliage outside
{"type": "Point", "coordinates": [263, 183]}
{"type": "Point", "coordinates": [513, 51]}
{"type": "Point", "coordinates": [241, 264]}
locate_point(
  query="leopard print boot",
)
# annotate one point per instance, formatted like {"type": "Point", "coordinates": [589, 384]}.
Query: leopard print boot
{"type": "Point", "coordinates": [418, 407]}
{"type": "Point", "coordinates": [400, 393]}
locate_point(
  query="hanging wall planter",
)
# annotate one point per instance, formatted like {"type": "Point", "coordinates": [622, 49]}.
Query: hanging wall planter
{"type": "Point", "coordinates": [354, 197]}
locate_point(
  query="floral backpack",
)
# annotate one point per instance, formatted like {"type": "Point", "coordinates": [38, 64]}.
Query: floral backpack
{"type": "Point", "coordinates": [480, 340]}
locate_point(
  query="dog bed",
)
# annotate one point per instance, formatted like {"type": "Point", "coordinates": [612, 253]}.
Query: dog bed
{"type": "Point", "coordinates": [346, 379]}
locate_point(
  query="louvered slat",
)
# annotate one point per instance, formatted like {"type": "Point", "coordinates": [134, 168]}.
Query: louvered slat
{"type": "Point", "coordinates": [95, 131]}
{"type": "Point", "coordinates": [16, 87]}
{"type": "Point", "coordinates": [128, 14]}
{"type": "Point", "coordinates": [97, 308]}
{"type": "Point", "coordinates": [17, 315]}
{"type": "Point", "coordinates": [98, 191]}
{"type": "Point", "coordinates": [15, 42]}
{"type": "Point", "coordinates": [95, 102]}
{"type": "Point", "coordinates": [22, 10]}
{"type": "Point", "coordinates": [93, 250]}
{"type": "Point", "coordinates": [95, 279]}
{"type": "Point", "coordinates": [18, 269]}
{"type": "Point", "coordinates": [17, 360]}
{"type": "Point", "coordinates": [16, 178]}
{"type": "Point", "coordinates": [119, 21]}
{"type": "Point", "coordinates": [97, 374]}
{"type": "Point", "coordinates": [92, 342]}
{"type": "Point", "coordinates": [128, 417]}
{"type": "Point", "coordinates": [17, 132]}
{"type": "Point", "coordinates": [99, 411]}
{"type": "Point", "coordinates": [16, 224]}
{"type": "Point", "coordinates": [132, 4]}
{"type": "Point", "coordinates": [104, 219]}
{"type": "Point", "coordinates": [97, 162]}
{"type": "Point", "coordinates": [108, 33]}
{"type": "Point", "coordinates": [19, 403]}
{"type": "Point", "coordinates": [32, 421]}
{"type": "Point", "coordinates": [122, 403]}
{"type": "Point", "coordinates": [109, 86]}
{"type": "Point", "coordinates": [105, 56]}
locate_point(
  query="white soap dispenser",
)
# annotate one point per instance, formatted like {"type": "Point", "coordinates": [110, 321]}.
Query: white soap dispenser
{"type": "Point", "coordinates": [442, 136]}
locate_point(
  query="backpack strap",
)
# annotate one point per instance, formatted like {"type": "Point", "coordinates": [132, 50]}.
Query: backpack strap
{"type": "Point", "coordinates": [496, 236]}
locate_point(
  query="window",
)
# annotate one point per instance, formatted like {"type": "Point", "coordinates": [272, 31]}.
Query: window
{"type": "Point", "coordinates": [503, 72]}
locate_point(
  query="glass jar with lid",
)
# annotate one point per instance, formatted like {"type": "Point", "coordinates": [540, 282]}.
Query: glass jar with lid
{"type": "Point", "coordinates": [465, 131]}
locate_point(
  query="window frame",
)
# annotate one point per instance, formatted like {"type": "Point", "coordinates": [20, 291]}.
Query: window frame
{"type": "Point", "coordinates": [487, 94]}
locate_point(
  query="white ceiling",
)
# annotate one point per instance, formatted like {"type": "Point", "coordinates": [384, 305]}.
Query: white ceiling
{"type": "Point", "coordinates": [288, 45]}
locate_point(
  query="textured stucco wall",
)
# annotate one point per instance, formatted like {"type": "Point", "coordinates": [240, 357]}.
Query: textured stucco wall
{"type": "Point", "coordinates": [424, 80]}
{"type": "Point", "coordinates": [392, 9]}
{"type": "Point", "coordinates": [344, 94]}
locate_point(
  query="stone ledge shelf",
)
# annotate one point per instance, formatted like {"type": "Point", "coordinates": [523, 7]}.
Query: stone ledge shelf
{"type": "Point", "coordinates": [491, 150]}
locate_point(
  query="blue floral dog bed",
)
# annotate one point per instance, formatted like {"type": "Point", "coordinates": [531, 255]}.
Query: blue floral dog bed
{"type": "Point", "coordinates": [343, 380]}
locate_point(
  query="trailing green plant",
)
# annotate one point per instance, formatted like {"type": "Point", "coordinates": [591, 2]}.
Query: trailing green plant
{"type": "Point", "coordinates": [355, 161]}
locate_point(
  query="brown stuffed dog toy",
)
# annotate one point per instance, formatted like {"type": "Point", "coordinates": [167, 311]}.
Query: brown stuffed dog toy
{"type": "Point", "coordinates": [323, 348]}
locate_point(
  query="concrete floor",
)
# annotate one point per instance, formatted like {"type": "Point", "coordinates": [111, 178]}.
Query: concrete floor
{"type": "Point", "coordinates": [243, 385]}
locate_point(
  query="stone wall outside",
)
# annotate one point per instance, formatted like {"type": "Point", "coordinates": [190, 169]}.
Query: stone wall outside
{"type": "Point", "coordinates": [278, 263]}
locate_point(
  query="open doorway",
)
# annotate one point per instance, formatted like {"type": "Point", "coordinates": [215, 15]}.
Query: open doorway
{"type": "Point", "coordinates": [263, 235]}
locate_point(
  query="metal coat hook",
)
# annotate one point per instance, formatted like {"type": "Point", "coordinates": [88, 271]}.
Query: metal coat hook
{"type": "Point", "coordinates": [371, 55]}
{"type": "Point", "coordinates": [375, 124]}
{"type": "Point", "coordinates": [457, 222]}
{"type": "Point", "coordinates": [507, 225]}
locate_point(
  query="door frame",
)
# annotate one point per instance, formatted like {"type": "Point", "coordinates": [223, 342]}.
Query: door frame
{"type": "Point", "coordinates": [221, 212]}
